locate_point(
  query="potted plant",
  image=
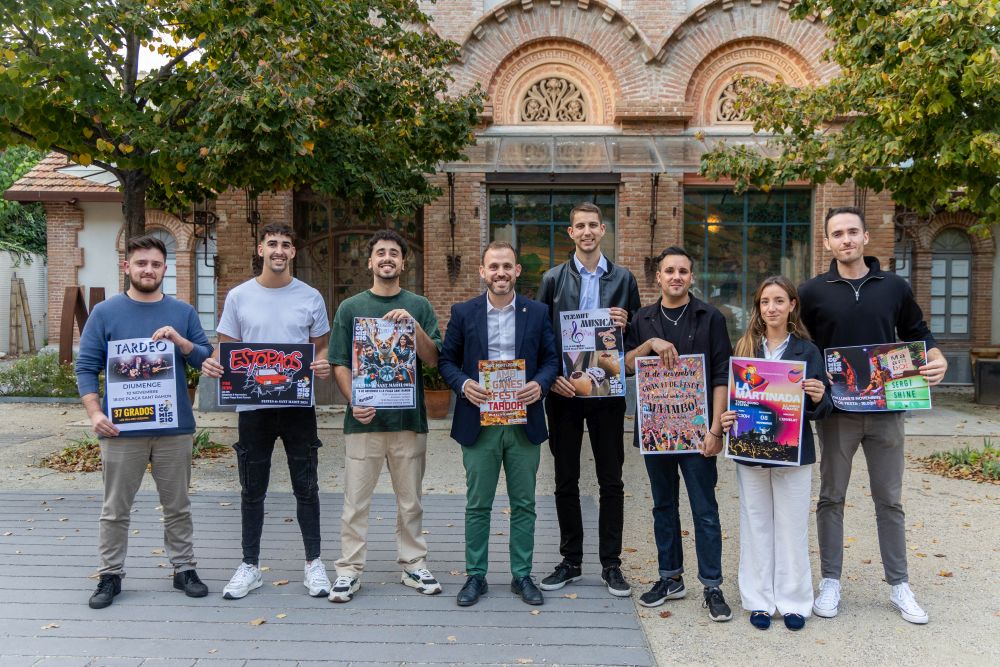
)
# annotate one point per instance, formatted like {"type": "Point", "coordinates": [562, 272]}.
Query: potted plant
{"type": "Point", "coordinates": [192, 375]}
{"type": "Point", "coordinates": [437, 394]}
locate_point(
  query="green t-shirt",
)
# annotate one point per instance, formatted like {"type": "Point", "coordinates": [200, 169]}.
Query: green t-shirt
{"type": "Point", "coordinates": [367, 304]}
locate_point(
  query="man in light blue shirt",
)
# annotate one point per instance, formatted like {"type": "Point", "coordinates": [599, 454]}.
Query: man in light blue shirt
{"type": "Point", "coordinates": [590, 283]}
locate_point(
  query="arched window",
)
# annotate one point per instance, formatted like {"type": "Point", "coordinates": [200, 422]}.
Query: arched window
{"type": "Point", "coordinates": [170, 279]}
{"type": "Point", "coordinates": [951, 277]}
{"type": "Point", "coordinates": [205, 287]}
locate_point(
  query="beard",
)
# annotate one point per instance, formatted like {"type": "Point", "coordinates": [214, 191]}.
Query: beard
{"type": "Point", "coordinates": [147, 287]}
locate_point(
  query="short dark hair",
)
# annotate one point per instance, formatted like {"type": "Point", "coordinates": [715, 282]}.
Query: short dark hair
{"type": "Point", "coordinates": [145, 242]}
{"type": "Point", "coordinates": [585, 207]}
{"type": "Point", "coordinates": [498, 245]}
{"type": "Point", "coordinates": [387, 235]}
{"type": "Point", "coordinates": [674, 250]}
{"type": "Point", "coordinates": [837, 210]}
{"type": "Point", "coordinates": [277, 229]}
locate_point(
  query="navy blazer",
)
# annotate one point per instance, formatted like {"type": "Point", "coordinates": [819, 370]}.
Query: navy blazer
{"type": "Point", "coordinates": [804, 350]}
{"type": "Point", "coordinates": [466, 342]}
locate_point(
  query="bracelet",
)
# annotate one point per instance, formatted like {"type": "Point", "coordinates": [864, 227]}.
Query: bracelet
{"type": "Point", "coordinates": [717, 436]}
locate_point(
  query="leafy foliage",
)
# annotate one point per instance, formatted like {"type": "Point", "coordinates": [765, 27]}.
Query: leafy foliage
{"type": "Point", "coordinates": [22, 227]}
{"type": "Point", "coordinates": [39, 375]}
{"type": "Point", "coordinates": [432, 378]}
{"type": "Point", "coordinates": [915, 108]}
{"type": "Point", "coordinates": [349, 96]}
{"type": "Point", "coordinates": [968, 463]}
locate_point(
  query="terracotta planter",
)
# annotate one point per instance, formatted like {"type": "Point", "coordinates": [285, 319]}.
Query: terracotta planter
{"type": "Point", "coordinates": [191, 392]}
{"type": "Point", "coordinates": [437, 401]}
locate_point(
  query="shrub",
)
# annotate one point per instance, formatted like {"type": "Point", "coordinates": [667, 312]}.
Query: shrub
{"type": "Point", "coordinates": [40, 375]}
{"type": "Point", "coordinates": [981, 465]}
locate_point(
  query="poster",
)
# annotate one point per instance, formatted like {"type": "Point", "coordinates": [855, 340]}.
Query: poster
{"type": "Point", "coordinates": [879, 378]}
{"type": "Point", "coordinates": [141, 384]}
{"type": "Point", "coordinates": [268, 374]}
{"type": "Point", "coordinates": [770, 406]}
{"type": "Point", "coordinates": [672, 405]}
{"type": "Point", "coordinates": [384, 363]}
{"type": "Point", "coordinates": [593, 353]}
{"type": "Point", "coordinates": [502, 380]}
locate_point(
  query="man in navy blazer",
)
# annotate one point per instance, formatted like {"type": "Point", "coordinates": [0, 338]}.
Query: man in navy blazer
{"type": "Point", "coordinates": [499, 325]}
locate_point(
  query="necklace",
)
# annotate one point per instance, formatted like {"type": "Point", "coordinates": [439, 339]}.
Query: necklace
{"type": "Point", "coordinates": [670, 319]}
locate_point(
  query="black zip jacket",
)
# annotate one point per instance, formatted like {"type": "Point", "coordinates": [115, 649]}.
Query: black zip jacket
{"type": "Point", "coordinates": [560, 290]}
{"type": "Point", "coordinates": [882, 310]}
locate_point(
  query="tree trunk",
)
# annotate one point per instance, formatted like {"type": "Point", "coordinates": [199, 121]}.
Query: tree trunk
{"type": "Point", "coordinates": [134, 185]}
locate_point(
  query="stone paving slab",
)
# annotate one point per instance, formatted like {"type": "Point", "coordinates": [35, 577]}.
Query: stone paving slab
{"type": "Point", "coordinates": [50, 552]}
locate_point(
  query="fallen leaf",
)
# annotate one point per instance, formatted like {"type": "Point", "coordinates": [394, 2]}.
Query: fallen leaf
{"type": "Point", "coordinates": [288, 519]}
{"type": "Point", "coordinates": [524, 661]}
{"type": "Point", "coordinates": [945, 573]}
{"type": "Point", "coordinates": [50, 626]}
{"type": "Point", "coordinates": [666, 614]}
{"type": "Point", "coordinates": [157, 552]}
{"type": "Point", "coordinates": [820, 641]}
{"type": "Point", "coordinates": [454, 573]}
{"type": "Point", "coordinates": [940, 556]}
{"type": "Point", "coordinates": [685, 533]}
{"type": "Point", "coordinates": [499, 532]}
{"type": "Point", "coordinates": [265, 568]}
{"type": "Point", "coordinates": [535, 612]}
{"type": "Point", "coordinates": [224, 504]}
{"type": "Point", "coordinates": [452, 638]}
{"type": "Point", "coordinates": [629, 550]}
{"type": "Point", "coordinates": [570, 596]}
{"type": "Point", "coordinates": [451, 525]}
{"type": "Point", "coordinates": [281, 615]}
{"type": "Point", "coordinates": [505, 510]}
{"type": "Point", "coordinates": [280, 582]}
{"type": "Point", "coordinates": [258, 621]}
{"type": "Point", "coordinates": [920, 555]}
{"type": "Point", "coordinates": [213, 650]}
{"type": "Point", "coordinates": [867, 561]}
{"type": "Point", "coordinates": [425, 532]}
{"type": "Point", "coordinates": [135, 532]}
{"type": "Point", "coordinates": [62, 519]}
{"type": "Point", "coordinates": [8, 534]}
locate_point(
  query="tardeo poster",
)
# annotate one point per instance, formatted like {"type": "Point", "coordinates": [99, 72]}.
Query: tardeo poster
{"type": "Point", "coordinates": [266, 374]}
{"type": "Point", "coordinates": [593, 353]}
{"type": "Point", "coordinates": [384, 363]}
{"type": "Point", "coordinates": [878, 378]}
{"type": "Point", "coordinates": [502, 380]}
{"type": "Point", "coordinates": [141, 384]}
{"type": "Point", "coordinates": [671, 405]}
{"type": "Point", "coordinates": [769, 402]}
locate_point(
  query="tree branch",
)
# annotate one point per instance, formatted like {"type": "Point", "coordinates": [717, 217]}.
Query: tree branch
{"type": "Point", "coordinates": [112, 59]}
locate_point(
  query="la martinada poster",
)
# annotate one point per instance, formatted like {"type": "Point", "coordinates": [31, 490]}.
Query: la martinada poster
{"type": "Point", "coordinates": [266, 374]}
{"type": "Point", "coordinates": [502, 380]}
{"type": "Point", "coordinates": [593, 353]}
{"type": "Point", "coordinates": [671, 405]}
{"type": "Point", "coordinates": [141, 385]}
{"type": "Point", "coordinates": [384, 363]}
{"type": "Point", "coordinates": [770, 405]}
{"type": "Point", "coordinates": [879, 378]}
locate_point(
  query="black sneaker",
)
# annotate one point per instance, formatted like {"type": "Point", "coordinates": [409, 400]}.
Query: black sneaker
{"type": "Point", "coordinates": [189, 582]}
{"type": "Point", "coordinates": [718, 610]}
{"type": "Point", "coordinates": [565, 573]}
{"type": "Point", "coordinates": [617, 586]}
{"type": "Point", "coordinates": [108, 587]}
{"type": "Point", "coordinates": [663, 590]}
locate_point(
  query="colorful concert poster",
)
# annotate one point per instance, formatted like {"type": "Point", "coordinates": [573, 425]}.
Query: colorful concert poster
{"type": "Point", "coordinates": [770, 406]}
{"type": "Point", "coordinates": [502, 379]}
{"type": "Point", "coordinates": [593, 353]}
{"type": "Point", "coordinates": [384, 363]}
{"type": "Point", "coordinates": [879, 378]}
{"type": "Point", "coordinates": [672, 405]}
{"type": "Point", "coordinates": [266, 374]}
{"type": "Point", "coordinates": [141, 387]}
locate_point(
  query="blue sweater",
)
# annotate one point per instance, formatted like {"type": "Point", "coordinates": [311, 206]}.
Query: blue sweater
{"type": "Point", "coordinates": [121, 318]}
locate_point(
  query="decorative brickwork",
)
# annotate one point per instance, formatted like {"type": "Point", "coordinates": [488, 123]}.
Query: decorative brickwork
{"type": "Point", "coordinates": [65, 257]}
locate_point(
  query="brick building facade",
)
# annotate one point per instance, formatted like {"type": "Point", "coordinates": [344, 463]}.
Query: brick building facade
{"type": "Point", "coordinates": [611, 101]}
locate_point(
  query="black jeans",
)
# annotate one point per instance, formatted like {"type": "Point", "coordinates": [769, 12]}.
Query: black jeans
{"type": "Point", "coordinates": [605, 422]}
{"type": "Point", "coordinates": [258, 431]}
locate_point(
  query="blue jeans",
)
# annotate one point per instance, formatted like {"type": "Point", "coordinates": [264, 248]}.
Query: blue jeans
{"type": "Point", "coordinates": [700, 477]}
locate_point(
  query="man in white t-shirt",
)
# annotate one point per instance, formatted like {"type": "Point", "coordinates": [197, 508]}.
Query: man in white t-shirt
{"type": "Point", "coordinates": [276, 308]}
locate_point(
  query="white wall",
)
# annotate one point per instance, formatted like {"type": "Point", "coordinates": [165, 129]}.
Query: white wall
{"type": "Point", "coordinates": [36, 284]}
{"type": "Point", "coordinates": [101, 224]}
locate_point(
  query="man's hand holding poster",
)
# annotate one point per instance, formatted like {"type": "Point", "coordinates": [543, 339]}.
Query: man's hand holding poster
{"type": "Point", "coordinates": [502, 380]}
{"type": "Point", "coordinates": [266, 374]}
{"type": "Point", "coordinates": [671, 405]}
{"type": "Point", "coordinates": [878, 378]}
{"type": "Point", "coordinates": [769, 402]}
{"type": "Point", "coordinates": [593, 353]}
{"type": "Point", "coordinates": [141, 385]}
{"type": "Point", "coordinates": [384, 363]}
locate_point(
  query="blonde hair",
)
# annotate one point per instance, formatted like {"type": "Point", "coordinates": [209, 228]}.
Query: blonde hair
{"type": "Point", "coordinates": [749, 342]}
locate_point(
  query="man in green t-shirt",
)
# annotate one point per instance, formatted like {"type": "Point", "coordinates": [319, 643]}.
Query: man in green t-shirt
{"type": "Point", "coordinates": [397, 437]}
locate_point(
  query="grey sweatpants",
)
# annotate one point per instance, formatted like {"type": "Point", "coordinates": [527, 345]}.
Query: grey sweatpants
{"type": "Point", "coordinates": [880, 436]}
{"type": "Point", "coordinates": [125, 462]}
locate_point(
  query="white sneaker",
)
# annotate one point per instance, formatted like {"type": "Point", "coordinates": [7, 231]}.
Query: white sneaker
{"type": "Point", "coordinates": [315, 579]}
{"type": "Point", "coordinates": [902, 598]}
{"type": "Point", "coordinates": [422, 580]}
{"type": "Point", "coordinates": [344, 589]}
{"type": "Point", "coordinates": [245, 579]}
{"type": "Point", "coordinates": [827, 603]}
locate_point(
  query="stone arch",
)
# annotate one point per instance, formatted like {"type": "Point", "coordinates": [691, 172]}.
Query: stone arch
{"type": "Point", "coordinates": [156, 218]}
{"type": "Point", "coordinates": [923, 237]}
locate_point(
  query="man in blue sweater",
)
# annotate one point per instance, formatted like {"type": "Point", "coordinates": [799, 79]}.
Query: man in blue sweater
{"type": "Point", "coordinates": [143, 311]}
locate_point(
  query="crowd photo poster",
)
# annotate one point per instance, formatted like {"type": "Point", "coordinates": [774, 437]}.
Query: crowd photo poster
{"type": "Point", "coordinates": [141, 386]}
{"type": "Point", "coordinates": [384, 363]}
{"type": "Point", "coordinates": [266, 374]}
{"type": "Point", "coordinates": [770, 405]}
{"type": "Point", "coordinates": [671, 404]}
{"type": "Point", "coordinates": [502, 380]}
{"type": "Point", "coordinates": [593, 353]}
{"type": "Point", "coordinates": [879, 378]}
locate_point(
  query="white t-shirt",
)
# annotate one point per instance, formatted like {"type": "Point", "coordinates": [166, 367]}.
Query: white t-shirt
{"type": "Point", "coordinates": [257, 314]}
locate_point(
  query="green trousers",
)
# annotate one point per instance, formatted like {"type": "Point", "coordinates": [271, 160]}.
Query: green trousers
{"type": "Point", "coordinates": [510, 447]}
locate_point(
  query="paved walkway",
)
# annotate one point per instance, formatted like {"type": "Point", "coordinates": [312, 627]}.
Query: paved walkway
{"type": "Point", "coordinates": [45, 620]}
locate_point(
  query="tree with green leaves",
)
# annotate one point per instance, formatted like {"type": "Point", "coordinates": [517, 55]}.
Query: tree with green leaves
{"type": "Point", "coordinates": [915, 108]}
{"type": "Point", "coordinates": [22, 226]}
{"type": "Point", "coordinates": [350, 97]}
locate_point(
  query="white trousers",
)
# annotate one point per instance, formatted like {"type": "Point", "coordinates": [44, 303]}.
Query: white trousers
{"type": "Point", "coordinates": [774, 539]}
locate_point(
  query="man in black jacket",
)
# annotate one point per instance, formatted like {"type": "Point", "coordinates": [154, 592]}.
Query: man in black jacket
{"type": "Point", "coordinates": [856, 303]}
{"type": "Point", "coordinates": [680, 324]}
{"type": "Point", "coordinates": [587, 281]}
